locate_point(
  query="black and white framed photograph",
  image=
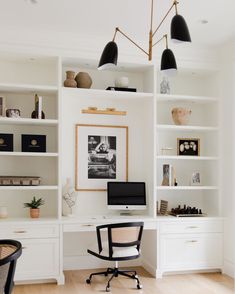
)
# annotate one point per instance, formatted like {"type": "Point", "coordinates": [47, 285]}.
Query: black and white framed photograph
{"type": "Point", "coordinates": [196, 179]}
{"type": "Point", "coordinates": [2, 105]}
{"type": "Point", "coordinates": [101, 156]}
{"type": "Point", "coordinates": [188, 146]}
{"type": "Point", "coordinates": [13, 113]}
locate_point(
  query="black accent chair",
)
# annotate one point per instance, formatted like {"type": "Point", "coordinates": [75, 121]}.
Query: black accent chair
{"type": "Point", "coordinates": [123, 243]}
{"type": "Point", "coordinates": [10, 251]}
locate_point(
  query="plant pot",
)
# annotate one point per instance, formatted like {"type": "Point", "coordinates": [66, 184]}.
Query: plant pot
{"type": "Point", "coordinates": [181, 115]}
{"type": "Point", "coordinates": [34, 212]}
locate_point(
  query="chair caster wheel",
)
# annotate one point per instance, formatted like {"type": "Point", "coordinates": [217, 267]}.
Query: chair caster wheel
{"type": "Point", "coordinates": [139, 286]}
{"type": "Point", "coordinates": [88, 281]}
{"type": "Point", "coordinates": [108, 289]}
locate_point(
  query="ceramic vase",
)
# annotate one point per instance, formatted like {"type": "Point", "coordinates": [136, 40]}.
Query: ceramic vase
{"type": "Point", "coordinates": [122, 82]}
{"type": "Point", "coordinates": [83, 80]}
{"type": "Point", "coordinates": [181, 115]}
{"type": "Point", "coordinates": [70, 81]}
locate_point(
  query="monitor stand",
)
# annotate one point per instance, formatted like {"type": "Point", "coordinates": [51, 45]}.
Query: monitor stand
{"type": "Point", "coordinates": [126, 213]}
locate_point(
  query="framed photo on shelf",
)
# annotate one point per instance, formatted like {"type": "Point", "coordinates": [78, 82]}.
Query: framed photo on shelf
{"type": "Point", "coordinates": [188, 146]}
{"type": "Point", "coordinates": [2, 106]}
{"type": "Point", "coordinates": [196, 179]}
{"type": "Point", "coordinates": [101, 155]}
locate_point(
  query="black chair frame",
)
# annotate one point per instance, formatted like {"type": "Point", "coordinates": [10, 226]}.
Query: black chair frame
{"type": "Point", "coordinates": [12, 258]}
{"type": "Point", "coordinates": [116, 271]}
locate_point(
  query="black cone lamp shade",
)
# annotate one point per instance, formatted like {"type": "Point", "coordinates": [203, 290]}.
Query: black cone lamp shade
{"type": "Point", "coordinates": [109, 56]}
{"type": "Point", "coordinates": [179, 29]}
{"type": "Point", "coordinates": [168, 63]}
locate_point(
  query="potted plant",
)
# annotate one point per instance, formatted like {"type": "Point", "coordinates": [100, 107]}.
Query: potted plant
{"type": "Point", "coordinates": [34, 206]}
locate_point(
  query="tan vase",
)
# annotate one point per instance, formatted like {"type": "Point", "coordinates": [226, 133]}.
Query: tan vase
{"type": "Point", "coordinates": [34, 212]}
{"type": "Point", "coordinates": [181, 115]}
{"type": "Point", "coordinates": [83, 80]}
{"type": "Point", "coordinates": [70, 81]}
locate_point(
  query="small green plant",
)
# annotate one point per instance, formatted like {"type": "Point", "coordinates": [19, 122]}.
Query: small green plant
{"type": "Point", "coordinates": [35, 203]}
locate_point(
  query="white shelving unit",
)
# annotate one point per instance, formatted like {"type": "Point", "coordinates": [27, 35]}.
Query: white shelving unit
{"type": "Point", "coordinates": [195, 92]}
{"type": "Point", "coordinates": [29, 76]}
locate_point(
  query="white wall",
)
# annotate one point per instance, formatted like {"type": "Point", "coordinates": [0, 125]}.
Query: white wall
{"type": "Point", "coordinates": [227, 80]}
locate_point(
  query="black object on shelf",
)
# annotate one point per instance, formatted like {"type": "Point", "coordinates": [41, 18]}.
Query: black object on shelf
{"type": "Point", "coordinates": [121, 89]}
{"type": "Point", "coordinates": [6, 142]}
{"type": "Point", "coordinates": [33, 143]}
{"type": "Point", "coordinates": [186, 211]}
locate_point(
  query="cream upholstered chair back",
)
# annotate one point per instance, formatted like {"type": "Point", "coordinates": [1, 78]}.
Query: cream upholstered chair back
{"type": "Point", "coordinates": [125, 235]}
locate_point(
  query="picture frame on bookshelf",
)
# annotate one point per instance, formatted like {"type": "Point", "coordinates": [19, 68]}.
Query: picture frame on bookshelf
{"type": "Point", "coordinates": [188, 146]}
{"type": "Point", "coordinates": [2, 106]}
{"type": "Point", "coordinates": [196, 179]}
{"type": "Point", "coordinates": [101, 155]}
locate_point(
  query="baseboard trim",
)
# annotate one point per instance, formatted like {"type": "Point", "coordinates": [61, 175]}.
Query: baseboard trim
{"type": "Point", "coordinates": [229, 268]}
{"type": "Point", "coordinates": [148, 267]}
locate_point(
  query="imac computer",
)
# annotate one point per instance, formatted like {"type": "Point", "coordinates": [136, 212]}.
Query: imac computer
{"type": "Point", "coordinates": [126, 195]}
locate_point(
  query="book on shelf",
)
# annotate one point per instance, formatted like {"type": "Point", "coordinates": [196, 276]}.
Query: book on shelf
{"type": "Point", "coordinates": [169, 178]}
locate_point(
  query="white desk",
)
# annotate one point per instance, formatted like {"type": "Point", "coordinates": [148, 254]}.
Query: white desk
{"type": "Point", "coordinates": [86, 224]}
{"type": "Point", "coordinates": [169, 244]}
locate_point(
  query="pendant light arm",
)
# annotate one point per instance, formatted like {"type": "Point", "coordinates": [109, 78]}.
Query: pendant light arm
{"type": "Point", "coordinates": [128, 38]}
{"type": "Point", "coordinates": [165, 36]}
{"type": "Point", "coordinates": [174, 4]}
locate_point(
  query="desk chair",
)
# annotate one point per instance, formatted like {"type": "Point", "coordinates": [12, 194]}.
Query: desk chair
{"type": "Point", "coordinates": [123, 244]}
{"type": "Point", "coordinates": [10, 250]}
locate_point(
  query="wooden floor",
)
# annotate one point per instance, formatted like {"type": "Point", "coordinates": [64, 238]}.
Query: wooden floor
{"type": "Point", "coordinates": [212, 283]}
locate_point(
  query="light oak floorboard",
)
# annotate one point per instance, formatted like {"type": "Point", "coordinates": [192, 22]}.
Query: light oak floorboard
{"type": "Point", "coordinates": [209, 283]}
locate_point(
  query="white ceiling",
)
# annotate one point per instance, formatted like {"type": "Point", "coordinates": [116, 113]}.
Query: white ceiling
{"type": "Point", "coordinates": [100, 17]}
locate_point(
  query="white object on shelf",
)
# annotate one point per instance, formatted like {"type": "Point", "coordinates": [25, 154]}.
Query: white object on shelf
{"type": "Point", "coordinates": [182, 157]}
{"type": "Point", "coordinates": [28, 121]}
{"type": "Point", "coordinates": [33, 154]}
{"type": "Point", "coordinates": [187, 187]}
{"type": "Point", "coordinates": [186, 128]}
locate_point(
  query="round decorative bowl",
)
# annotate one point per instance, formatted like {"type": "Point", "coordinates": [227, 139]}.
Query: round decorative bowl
{"type": "Point", "coordinates": [180, 115]}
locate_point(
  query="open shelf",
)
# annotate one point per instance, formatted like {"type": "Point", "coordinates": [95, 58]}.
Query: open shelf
{"type": "Point", "coordinates": [28, 187]}
{"type": "Point", "coordinates": [108, 94]}
{"type": "Point", "coordinates": [27, 88]}
{"type": "Point", "coordinates": [33, 154]}
{"type": "Point", "coordinates": [186, 128]}
{"type": "Point", "coordinates": [187, 188]}
{"type": "Point", "coordinates": [28, 121]}
{"type": "Point", "coordinates": [185, 98]}
{"type": "Point", "coordinates": [182, 157]}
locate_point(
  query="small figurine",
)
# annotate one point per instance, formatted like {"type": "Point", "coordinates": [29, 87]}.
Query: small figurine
{"type": "Point", "coordinates": [70, 197]}
{"type": "Point", "coordinates": [164, 86]}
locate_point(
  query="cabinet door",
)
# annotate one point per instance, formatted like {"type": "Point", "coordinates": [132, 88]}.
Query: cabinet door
{"type": "Point", "coordinates": [191, 251]}
{"type": "Point", "coordinates": [39, 259]}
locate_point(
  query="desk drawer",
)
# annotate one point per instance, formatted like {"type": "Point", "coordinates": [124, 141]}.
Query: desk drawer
{"type": "Point", "coordinates": [186, 251]}
{"type": "Point", "coordinates": [86, 227]}
{"type": "Point", "coordinates": [28, 231]}
{"type": "Point", "coordinates": [212, 226]}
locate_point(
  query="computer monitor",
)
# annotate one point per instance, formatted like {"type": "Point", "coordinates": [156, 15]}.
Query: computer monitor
{"type": "Point", "coordinates": [126, 195]}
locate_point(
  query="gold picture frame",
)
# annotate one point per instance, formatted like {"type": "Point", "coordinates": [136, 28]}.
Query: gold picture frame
{"type": "Point", "coordinates": [188, 146]}
{"type": "Point", "coordinates": [101, 155]}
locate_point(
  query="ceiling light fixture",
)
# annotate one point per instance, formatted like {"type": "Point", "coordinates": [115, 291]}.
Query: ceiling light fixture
{"type": "Point", "coordinates": [179, 33]}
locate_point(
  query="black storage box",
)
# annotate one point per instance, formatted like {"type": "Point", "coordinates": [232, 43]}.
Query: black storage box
{"type": "Point", "coordinates": [6, 142]}
{"type": "Point", "coordinates": [33, 143]}
{"type": "Point", "coordinates": [121, 89]}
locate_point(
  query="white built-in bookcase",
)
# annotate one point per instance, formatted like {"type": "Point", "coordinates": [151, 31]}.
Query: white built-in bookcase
{"type": "Point", "coordinates": [150, 128]}
{"type": "Point", "coordinates": [24, 76]}
{"type": "Point", "coordinates": [197, 91]}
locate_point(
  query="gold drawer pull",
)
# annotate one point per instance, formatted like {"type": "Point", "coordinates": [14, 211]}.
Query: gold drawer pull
{"type": "Point", "coordinates": [20, 232]}
{"type": "Point", "coordinates": [88, 225]}
{"type": "Point", "coordinates": [192, 227]}
{"type": "Point", "coordinates": [192, 241]}
{"type": "Point", "coordinates": [24, 247]}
